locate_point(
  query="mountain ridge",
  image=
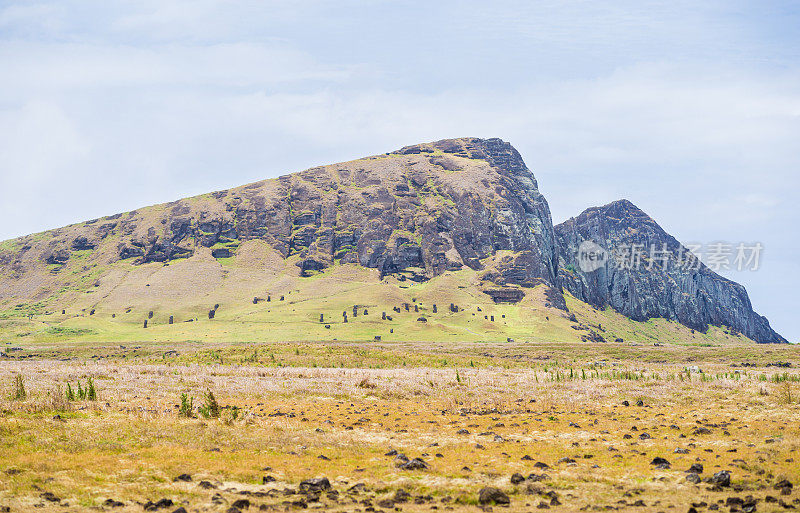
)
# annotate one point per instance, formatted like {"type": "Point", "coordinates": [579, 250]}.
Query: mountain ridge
{"type": "Point", "coordinates": [412, 214]}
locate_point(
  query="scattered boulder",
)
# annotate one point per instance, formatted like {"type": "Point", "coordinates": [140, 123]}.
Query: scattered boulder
{"type": "Point", "coordinates": [660, 463]}
{"type": "Point", "coordinates": [721, 478]}
{"type": "Point", "coordinates": [696, 468]}
{"type": "Point", "coordinates": [492, 495]}
{"type": "Point", "coordinates": [161, 504]}
{"type": "Point", "coordinates": [315, 484]}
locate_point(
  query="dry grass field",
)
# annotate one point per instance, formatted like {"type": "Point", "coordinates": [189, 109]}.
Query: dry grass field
{"type": "Point", "coordinates": [569, 427]}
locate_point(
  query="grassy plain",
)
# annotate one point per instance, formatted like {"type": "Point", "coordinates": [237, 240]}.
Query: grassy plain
{"type": "Point", "coordinates": [475, 412]}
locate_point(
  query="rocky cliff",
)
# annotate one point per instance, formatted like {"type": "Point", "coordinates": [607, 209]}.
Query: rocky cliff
{"type": "Point", "coordinates": [411, 214]}
{"type": "Point", "coordinates": [645, 273]}
{"type": "Point", "coordinates": [415, 213]}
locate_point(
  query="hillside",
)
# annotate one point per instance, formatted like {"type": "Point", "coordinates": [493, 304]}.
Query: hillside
{"type": "Point", "coordinates": [450, 240]}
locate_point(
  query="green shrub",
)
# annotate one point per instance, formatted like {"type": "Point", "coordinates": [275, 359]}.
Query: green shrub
{"type": "Point", "coordinates": [18, 392]}
{"type": "Point", "coordinates": [91, 394]}
{"type": "Point", "coordinates": [187, 406]}
{"type": "Point", "coordinates": [210, 408]}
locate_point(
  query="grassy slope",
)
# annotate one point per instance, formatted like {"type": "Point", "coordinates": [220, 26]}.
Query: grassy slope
{"type": "Point", "coordinates": [187, 289]}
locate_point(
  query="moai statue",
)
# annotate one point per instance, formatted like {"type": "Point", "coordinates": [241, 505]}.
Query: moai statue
{"type": "Point", "coordinates": [416, 308]}
{"type": "Point", "coordinates": [383, 316]}
{"type": "Point", "coordinates": [492, 318]}
{"type": "Point", "coordinates": [171, 319]}
{"type": "Point", "coordinates": [355, 311]}
{"type": "Point", "coordinates": [211, 314]}
{"type": "Point", "coordinates": [145, 323]}
{"type": "Point", "coordinates": [434, 309]}
{"type": "Point", "coordinates": [321, 316]}
{"type": "Point", "coordinates": [150, 314]}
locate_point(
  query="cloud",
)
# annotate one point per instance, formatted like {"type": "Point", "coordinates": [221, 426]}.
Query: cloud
{"type": "Point", "coordinates": [691, 111]}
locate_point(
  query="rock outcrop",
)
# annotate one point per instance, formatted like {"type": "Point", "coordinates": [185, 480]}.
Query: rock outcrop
{"type": "Point", "coordinates": [414, 213]}
{"type": "Point", "coordinates": [664, 280]}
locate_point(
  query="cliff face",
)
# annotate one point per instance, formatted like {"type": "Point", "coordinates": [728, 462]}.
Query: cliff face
{"type": "Point", "coordinates": [416, 213]}
{"type": "Point", "coordinates": [413, 214]}
{"type": "Point", "coordinates": [666, 284]}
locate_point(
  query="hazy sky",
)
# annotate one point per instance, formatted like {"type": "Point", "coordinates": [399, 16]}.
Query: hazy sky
{"type": "Point", "coordinates": [689, 109]}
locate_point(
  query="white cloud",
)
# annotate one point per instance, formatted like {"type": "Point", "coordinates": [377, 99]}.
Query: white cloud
{"type": "Point", "coordinates": [691, 112]}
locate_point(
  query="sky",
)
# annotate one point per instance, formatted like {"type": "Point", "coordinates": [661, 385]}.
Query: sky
{"type": "Point", "coordinates": [689, 109]}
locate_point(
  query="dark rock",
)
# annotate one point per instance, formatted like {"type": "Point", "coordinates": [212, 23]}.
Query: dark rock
{"type": "Point", "coordinates": [696, 468]}
{"type": "Point", "coordinates": [183, 477]}
{"type": "Point", "coordinates": [517, 478]}
{"type": "Point", "coordinates": [315, 484]}
{"type": "Point", "coordinates": [721, 478]}
{"type": "Point", "coordinates": [49, 497]}
{"type": "Point", "coordinates": [414, 464]}
{"type": "Point", "coordinates": [241, 504]}
{"type": "Point", "coordinates": [58, 257]}
{"type": "Point", "coordinates": [401, 496]}
{"type": "Point", "coordinates": [492, 495]}
{"type": "Point", "coordinates": [160, 504]}
{"type": "Point", "coordinates": [693, 478]}
{"type": "Point", "coordinates": [692, 295]}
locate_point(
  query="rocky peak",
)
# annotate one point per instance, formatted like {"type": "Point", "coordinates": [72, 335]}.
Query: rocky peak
{"type": "Point", "coordinates": [414, 213]}
{"type": "Point", "coordinates": [666, 281]}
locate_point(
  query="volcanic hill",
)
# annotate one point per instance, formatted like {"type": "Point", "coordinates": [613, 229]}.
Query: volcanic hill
{"type": "Point", "coordinates": [449, 240]}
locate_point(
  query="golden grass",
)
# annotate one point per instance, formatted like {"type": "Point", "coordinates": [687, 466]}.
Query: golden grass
{"type": "Point", "coordinates": [130, 444]}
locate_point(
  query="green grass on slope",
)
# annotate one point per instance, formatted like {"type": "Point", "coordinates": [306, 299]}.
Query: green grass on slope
{"type": "Point", "coordinates": [121, 311]}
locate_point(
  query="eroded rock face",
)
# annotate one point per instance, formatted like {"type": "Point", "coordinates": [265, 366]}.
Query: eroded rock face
{"type": "Point", "coordinates": [666, 286]}
{"type": "Point", "coordinates": [417, 212]}
{"type": "Point", "coordinates": [414, 213]}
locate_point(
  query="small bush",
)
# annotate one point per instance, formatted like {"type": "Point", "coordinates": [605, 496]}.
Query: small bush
{"type": "Point", "coordinates": [58, 399]}
{"type": "Point", "coordinates": [187, 406]}
{"type": "Point", "coordinates": [210, 408]}
{"type": "Point", "coordinates": [91, 394]}
{"type": "Point", "coordinates": [786, 396]}
{"type": "Point", "coordinates": [18, 392]}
